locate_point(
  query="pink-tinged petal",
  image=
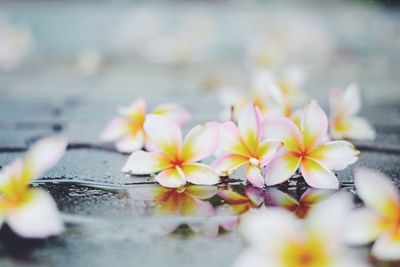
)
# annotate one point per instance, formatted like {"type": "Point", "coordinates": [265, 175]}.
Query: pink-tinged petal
{"type": "Point", "coordinates": [254, 176]}
{"type": "Point", "coordinates": [359, 129]}
{"type": "Point", "coordinates": [165, 133]}
{"type": "Point", "coordinates": [230, 140]}
{"type": "Point", "coordinates": [226, 164]}
{"type": "Point", "coordinates": [115, 129]}
{"type": "Point", "coordinates": [202, 192]}
{"type": "Point", "coordinates": [283, 129]}
{"type": "Point", "coordinates": [363, 227]}
{"type": "Point", "coordinates": [335, 101]}
{"type": "Point", "coordinates": [267, 150]}
{"type": "Point", "coordinates": [171, 178]}
{"type": "Point", "coordinates": [255, 194]}
{"type": "Point", "coordinates": [130, 143]}
{"type": "Point", "coordinates": [200, 142]}
{"type": "Point", "coordinates": [377, 192]}
{"type": "Point", "coordinates": [141, 162]}
{"type": "Point", "coordinates": [37, 218]}
{"type": "Point", "coordinates": [249, 125]}
{"type": "Point", "coordinates": [201, 174]}
{"type": "Point", "coordinates": [335, 155]}
{"type": "Point", "coordinates": [174, 111]}
{"type": "Point", "coordinates": [136, 111]}
{"type": "Point", "coordinates": [387, 247]}
{"type": "Point", "coordinates": [42, 156]}
{"type": "Point", "coordinates": [315, 125]}
{"type": "Point", "coordinates": [275, 197]}
{"type": "Point", "coordinates": [317, 175]}
{"type": "Point", "coordinates": [282, 167]}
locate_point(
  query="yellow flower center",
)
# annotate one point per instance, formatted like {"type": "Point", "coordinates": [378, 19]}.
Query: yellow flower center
{"type": "Point", "coordinates": [305, 253]}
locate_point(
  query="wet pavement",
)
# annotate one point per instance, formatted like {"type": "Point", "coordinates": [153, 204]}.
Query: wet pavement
{"type": "Point", "coordinates": [118, 220]}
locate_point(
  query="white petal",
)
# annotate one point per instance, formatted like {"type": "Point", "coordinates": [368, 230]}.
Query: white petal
{"type": "Point", "coordinates": [141, 162]}
{"type": "Point", "coordinates": [201, 174]}
{"type": "Point", "coordinates": [363, 227]}
{"type": "Point", "coordinates": [317, 175]}
{"type": "Point", "coordinates": [377, 192]}
{"type": "Point", "coordinates": [336, 155]}
{"type": "Point", "coordinates": [282, 167]}
{"type": "Point", "coordinates": [130, 143]}
{"type": "Point", "coordinates": [164, 133]}
{"type": "Point", "coordinates": [43, 155]}
{"type": "Point", "coordinates": [315, 125]}
{"type": "Point", "coordinates": [38, 218]}
{"type": "Point", "coordinates": [200, 142]}
{"type": "Point", "coordinates": [387, 247]}
{"type": "Point", "coordinates": [115, 129]}
{"type": "Point", "coordinates": [171, 178]}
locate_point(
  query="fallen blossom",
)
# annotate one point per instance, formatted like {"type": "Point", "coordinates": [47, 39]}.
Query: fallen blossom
{"type": "Point", "coordinates": [305, 149]}
{"type": "Point", "coordinates": [127, 130]}
{"type": "Point", "coordinates": [242, 145]}
{"type": "Point", "coordinates": [31, 212]}
{"type": "Point", "coordinates": [379, 221]}
{"type": "Point", "coordinates": [344, 122]}
{"type": "Point", "coordinates": [176, 160]}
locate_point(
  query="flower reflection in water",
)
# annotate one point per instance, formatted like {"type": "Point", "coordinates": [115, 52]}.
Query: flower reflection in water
{"type": "Point", "coordinates": [195, 208]}
{"type": "Point", "coordinates": [253, 198]}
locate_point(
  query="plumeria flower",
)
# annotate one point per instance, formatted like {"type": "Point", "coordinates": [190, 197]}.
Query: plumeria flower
{"type": "Point", "coordinates": [243, 145]}
{"type": "Point", "coordinates": [305, 149]}
{"type": "Point", "coordinates": [379, 221]}
{"type": "Point", "coordinates": [271, 95]}
{"type": "Point", "coordinates": [301, 207]}
{"type": "Point", "coordinates": [15, 44]}
{"type": "Point", "coordinates": [176, 160]}
{"type": "Point", "coordinates": [31, 212]}
{"type": "Point", "coordinates": [344, 122]}
{"type": "Point", "coordinates": [127, 130]}
{"type": "Point", "coordinates": [278, 238]}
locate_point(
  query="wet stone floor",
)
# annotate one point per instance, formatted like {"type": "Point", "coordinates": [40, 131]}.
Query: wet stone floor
{"type": "Point", "coordinates": [114, 219]}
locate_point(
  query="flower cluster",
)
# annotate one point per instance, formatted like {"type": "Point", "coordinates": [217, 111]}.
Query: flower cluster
{"type": "Point", "coordinates": [275, 144]}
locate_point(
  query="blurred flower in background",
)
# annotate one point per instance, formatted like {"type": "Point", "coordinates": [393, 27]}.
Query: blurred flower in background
{"type": "Point", "coordinates": [15, 44]}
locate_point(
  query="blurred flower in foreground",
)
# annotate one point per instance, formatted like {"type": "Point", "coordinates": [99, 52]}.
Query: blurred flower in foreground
{"type": "Point", "coordinates": [306, 149]}
{"type": "Point", "coordinates": [271, 94]}
{"type": "Point", "coordinates": [127, 131]}
{"type": "Point", "coordinates": [277, 238]}
{"type": "Point", "coordinates": [31, 212]}
{"type": "Point", "coordinates": [344, 124]}
{"type": "Point", "coordinates": [301, 207]}
{"type": "Point", "coordinates": [15, 44]}
{"type": "Point", "coordinates": [243, 144]}
{"type": "Point", "coordinates": [380, 219]}
{"type": "Point", "coordinates": [176, 160]}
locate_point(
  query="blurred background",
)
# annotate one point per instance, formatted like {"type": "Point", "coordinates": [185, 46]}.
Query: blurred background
{"type": "Point", "coordinates": [114, 51]}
